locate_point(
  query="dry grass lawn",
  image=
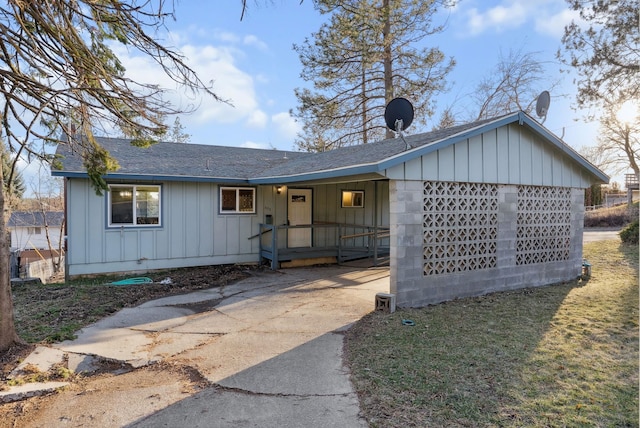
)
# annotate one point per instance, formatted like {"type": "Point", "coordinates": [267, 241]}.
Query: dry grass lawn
{"type": "Point", "coordinates": [557, 356]}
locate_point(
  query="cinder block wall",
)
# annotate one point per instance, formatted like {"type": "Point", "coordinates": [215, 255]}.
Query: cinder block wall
{"type": "Point", "coordinates": [504, 270]}
{"type": "Point", "coordinates": [42, 269]}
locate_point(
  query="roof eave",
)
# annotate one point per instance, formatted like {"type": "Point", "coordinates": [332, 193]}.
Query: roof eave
{"type": "Point", "coordinates": [158, 178]}
{"type": "Point", "coordinates": [372, 168]}
{"type": "Point", "coordinates": [381, 165]}
{"type": "Point", "coordinates": [522, 119]}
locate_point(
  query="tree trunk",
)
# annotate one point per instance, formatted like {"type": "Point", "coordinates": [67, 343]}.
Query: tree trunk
{"type": "Point", "coordinates": [629, 151]}
{"type": "Point", "coordinates": [365, 138]}
{"type": "Point", "coordinates": [388, 66]}
{"type": "Point", "coordinates": [58, 260]}
{"type": "Point", "coordinates": [8, 335]}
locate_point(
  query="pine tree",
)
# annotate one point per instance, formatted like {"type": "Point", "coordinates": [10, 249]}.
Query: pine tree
{"type": "Point", "coordinates": [13, 179]}
{"type": "Point", "coordinates": [177, 132]}
{"type": "Point", "coordinates": [367, 54]}
{"type": "Point", "coordinates": [603, 48]}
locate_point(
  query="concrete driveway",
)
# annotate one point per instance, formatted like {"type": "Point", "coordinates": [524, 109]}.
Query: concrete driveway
{"type": "Point", "coordinates": [270, 346]}
{"type": "Point", "coordinates": [600, 234]}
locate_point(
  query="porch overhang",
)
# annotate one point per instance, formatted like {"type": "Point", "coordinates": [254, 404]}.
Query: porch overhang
{"type": "Point", "coordinates": [357, 173]}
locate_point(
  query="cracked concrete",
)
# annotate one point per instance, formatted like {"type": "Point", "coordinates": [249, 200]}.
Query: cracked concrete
{"type": "Point", "coordinates": [268, 352]}
{"type": "Point", "coordinates": [306, 386]}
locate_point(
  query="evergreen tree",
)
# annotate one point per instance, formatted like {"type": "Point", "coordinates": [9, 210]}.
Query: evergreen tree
{"type": "Point", "coordinates": [367, 54]}
{"type": "Point", "coordinates": [603, 48]}
{"type": "Point", "coordinates": [447, 120]}
{"type": "Point", "coordinates": [177, 132]}
{"type": "Point", "coordinates": [13, 180]}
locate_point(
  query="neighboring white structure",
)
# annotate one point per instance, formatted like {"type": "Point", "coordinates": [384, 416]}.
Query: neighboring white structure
{"type": "Point", "coordinates": [29, 229]}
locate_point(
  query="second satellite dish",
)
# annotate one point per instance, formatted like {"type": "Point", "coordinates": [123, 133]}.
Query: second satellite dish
{"type": "Point", "coordinates": [398, 114]}
{"type": "Point", "coordinates": [542, 104]}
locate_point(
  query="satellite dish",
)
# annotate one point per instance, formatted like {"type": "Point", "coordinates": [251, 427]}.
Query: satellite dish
{"type": "Point", "coordinates": [542, 104]}
{"type": "Point", "coordinates": [398, 114]}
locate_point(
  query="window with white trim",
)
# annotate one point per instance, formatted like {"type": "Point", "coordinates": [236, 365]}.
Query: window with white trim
{"type": "Point", "coordinates": [240, 200]}
{"type": "Point", "coordinates": [134, 205]}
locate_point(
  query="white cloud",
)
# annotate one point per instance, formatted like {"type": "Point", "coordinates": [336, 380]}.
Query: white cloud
{"type": "Point", "coordinates": [286, 125]}
{"type": "Point", "coordinates": [257, 119]}
{"type": "Point", "coordinates": [553, 25]}
{"type": "Point", "coordinates": [498, 18]}
{"type": "Point", "coordinates": [226, 36]}
{"type": "Point", "coordinates": [219, 60]}
{"type": "Point", "coordinates": [212, 64]}
{"type": "Point", "coordinates": [547, 17]}
{"type": "Point", "coordinates": [252, 40]}
{"type": "Point", "coordinates": [229, 83]}
{"type": "Point", "coordinates": [254, 145]}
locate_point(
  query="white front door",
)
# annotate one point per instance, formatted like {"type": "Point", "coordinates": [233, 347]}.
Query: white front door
{"type": "Point", "coordinates": [299, 213]}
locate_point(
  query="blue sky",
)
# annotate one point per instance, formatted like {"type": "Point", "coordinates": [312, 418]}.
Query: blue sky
{"type": "Point", "coordinates": [252, 63]}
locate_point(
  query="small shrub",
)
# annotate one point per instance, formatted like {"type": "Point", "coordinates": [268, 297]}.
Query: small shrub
{"type": "Point", "coordinates": [62, 373]}
{"type": "Point", "coordinates": [629, 234]}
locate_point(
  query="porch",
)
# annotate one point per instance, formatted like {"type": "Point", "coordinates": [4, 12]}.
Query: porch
{"type": "Point", "coordinates": [331, 242]}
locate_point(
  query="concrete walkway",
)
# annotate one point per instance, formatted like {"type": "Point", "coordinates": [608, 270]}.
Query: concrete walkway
{"type": "Point", "coordinates": [594, 234]}
{"type": "Point", "coordinates": [270, 346]}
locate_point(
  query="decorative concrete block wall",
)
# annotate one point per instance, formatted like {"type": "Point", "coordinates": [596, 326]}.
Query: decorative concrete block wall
{"type": "Point", "coordinates": [451, 240]}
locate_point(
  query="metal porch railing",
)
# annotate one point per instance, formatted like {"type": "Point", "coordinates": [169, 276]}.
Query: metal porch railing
{"type": "Point", "coordinates": [343, 241]}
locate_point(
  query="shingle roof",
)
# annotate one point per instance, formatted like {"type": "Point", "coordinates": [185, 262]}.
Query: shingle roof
{"type": "Point", "coordinates": [35, 218]}
{"type": "Point", "coordinates": [367, 154]}
{"type": "Point", "coordinates": [175, 161]}
{"type": "Point", "coordinates": [181, 160]}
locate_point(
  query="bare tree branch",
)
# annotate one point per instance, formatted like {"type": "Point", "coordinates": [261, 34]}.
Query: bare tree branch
{"type": "Point", "coordinates": [60, 80]}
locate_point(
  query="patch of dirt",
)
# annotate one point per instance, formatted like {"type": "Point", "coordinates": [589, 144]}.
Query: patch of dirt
{"type": "Point", "coordinates": [12, 357]}
{"type": "Point", "coordinates": [53, 312]}
{"type": "Point", "coordinates": [89, 401]}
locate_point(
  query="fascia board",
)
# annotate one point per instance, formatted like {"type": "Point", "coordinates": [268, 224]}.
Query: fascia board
{"type": "Point", "coordinates": [143, 177]}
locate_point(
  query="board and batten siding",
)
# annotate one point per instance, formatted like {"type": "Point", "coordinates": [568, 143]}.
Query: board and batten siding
{"type": "Point", "coordinates": [327, 209]}
{"type": "Point", "coordinates": [510, 154]}
{"type": "Point", "coordinates": [327, 203]}
{"type": "Point", "coordinates": [192, 233]}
